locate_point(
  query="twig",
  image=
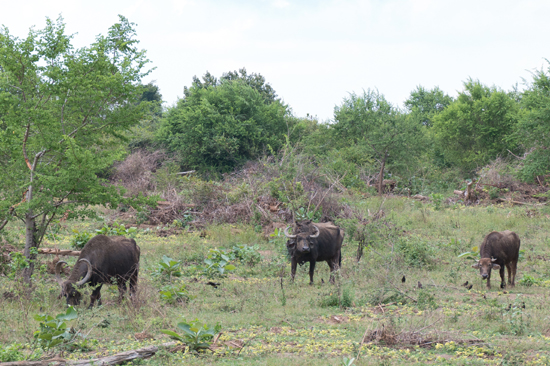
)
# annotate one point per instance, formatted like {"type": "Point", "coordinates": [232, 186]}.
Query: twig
{"type": "Point", "coordinates": [520, 158]}
{"type": "Point", "coordinates": [245, 343]}
{"type": "Point", "coordinates": [427, 326]}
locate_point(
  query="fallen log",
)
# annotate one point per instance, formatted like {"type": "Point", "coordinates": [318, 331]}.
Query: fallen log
{"type": "Point", "coordinates": [73, 253]}
{"type": "Point", "coordinates": [117, 359]}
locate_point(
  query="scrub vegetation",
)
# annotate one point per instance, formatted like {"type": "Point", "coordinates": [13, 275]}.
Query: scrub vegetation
{"type": "Point", "coordinates": [206, 188]}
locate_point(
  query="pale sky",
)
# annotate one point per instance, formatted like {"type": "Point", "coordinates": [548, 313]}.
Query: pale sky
{"type": "Point", "coordinates": [314, 53]}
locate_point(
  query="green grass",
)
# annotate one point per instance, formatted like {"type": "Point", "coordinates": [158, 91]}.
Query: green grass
{"type": "Point", "coordinates": [304, 325]}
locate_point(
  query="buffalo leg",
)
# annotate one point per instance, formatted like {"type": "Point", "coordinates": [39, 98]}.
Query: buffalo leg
{"type": "Point", "coordinates": [96, 296]}
{"type": "Point", "coordinates": [502, 281]}
{"type": "Point", "coordinates": [509, 270]}
{"type": "Point", "coordinates": [514, 266]}
{"type": "Point", "coordinates": [311, 271]}
{"type": "Point", "coordinates": [133, 284]}
{"type": "Point", "coordinates": [294, 264]}
{"type": "Point", "coordinates": [489, 281]}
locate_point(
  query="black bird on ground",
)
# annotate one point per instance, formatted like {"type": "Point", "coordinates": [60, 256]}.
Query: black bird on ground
{"type": "Point", "coordinates": [470, 287]}
{"type": "Point", "coordinates": [419, 284]}
{"type": "Point", "coordinates": [465, 284]}
{"type": "Point", "coordinates": [403, 279]}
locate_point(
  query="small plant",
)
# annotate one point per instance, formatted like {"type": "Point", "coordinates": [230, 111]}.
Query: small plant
{"type": "Point", "coordinates": [117, 229]}
{"type": "Point", "coordinates": [332, 300]}
{"type": "Point", "coordinates": [473, 254]}
{"type": "Point", "coordinates": [53, 331]}
{"type": "Point", "coordinates": [437, 200]}
{"type": "Point", "coordinates": [348, 361]}
{"type": "Point", "coordinates": [529, 281]}
{"type": "Point", "coordinates": [303, 214]}
{"type": "Point", "coordinates": [216, 263]}
{"type": "Point", "coordinates": [246, 254]}
{"type": "Point", "coordinates": [80, 239]}
{"type": "Point", "coordinates": [11, 353]}
{"type": "Point", "coordinates": [168, 268]}
{"type": "Point", "coordinates": [494, 192]}
{"type": "Point", "coordinates": [196, 336]}
{"type": "Point", "coordinates": [514, 317]}
{"type": "Point", "coordinates": [426, 300]}
{"type": "Point", "coordinates": [173, 294]}
{"type": "Point", "coordinates": [416, 251]}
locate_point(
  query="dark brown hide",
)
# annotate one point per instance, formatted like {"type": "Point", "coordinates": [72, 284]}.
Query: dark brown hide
{"type": "Point", "coordinates": [499, 249]}
{"type": "Point", "coordinates": [114, 259]}
{"type": "Point", "coordinates": [305, 247]}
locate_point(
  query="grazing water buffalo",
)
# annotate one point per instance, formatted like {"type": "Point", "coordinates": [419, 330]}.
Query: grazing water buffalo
{"type": "Point", "coordinates": [315, 243]}
{"type": "Point", "coordinates": [104, 259]}
{"type": "Point", "coordinates": [499, 249]}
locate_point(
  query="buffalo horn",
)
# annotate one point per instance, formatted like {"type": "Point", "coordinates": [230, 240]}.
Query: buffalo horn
{"type": "Point", "coordinates": [493, 259]}
{"type": "Point", "coordinates": [58, 271]}
{"type": "Point", "coordinates": [288, 235]}
{"type": "Point", "coordinates": [88, 274]}
{"type": "Point", "coordinates": [318, 232]}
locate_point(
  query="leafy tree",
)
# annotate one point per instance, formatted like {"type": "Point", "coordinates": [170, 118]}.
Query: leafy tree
{"type": "Point", "coordinates": [256, 81]}
{"type": "Point", "coordinates": [424, 104]}
{"type": "Point", "coordinates": [533, 129]}
{"type": "Point", "coordinates": [62, 112]}
{"type": "Point", "coordinates": [477, 126]}
{"type": "Point", "coordinates": [221, 125]}
{"type": "Point", "coordinates": [370, 121]}
{"type": "Point", "coordinates": [142, 136]}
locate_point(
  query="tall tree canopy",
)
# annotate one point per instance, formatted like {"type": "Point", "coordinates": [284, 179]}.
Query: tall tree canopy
{"type": "Point", "coordinates": [220, 124]}
{"type": "Point", "coordinates": [533, 130]}
{"type": "Point", "coordinates": [425, 104]}
{"type": "Point", "coordinates": [62, 111]}
{"type": "Point", "coordinates": [370, 121]}
{"type": "Point", "coordinates": [477, 126]}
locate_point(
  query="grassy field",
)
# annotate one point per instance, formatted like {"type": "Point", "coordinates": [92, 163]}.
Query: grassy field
{"type": "Point", "coordinates": [369, 314]}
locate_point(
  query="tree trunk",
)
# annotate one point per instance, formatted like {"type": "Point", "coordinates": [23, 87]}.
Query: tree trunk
{"type": "Point", "coordinates": [381, 175]}
{"type": "Point", "coordinates": [30, 242]}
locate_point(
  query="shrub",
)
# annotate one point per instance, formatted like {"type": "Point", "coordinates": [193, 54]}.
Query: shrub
{"type": "Point", "coordinates": [174, 293]}
{"type": "Point", "coordinates": [11, 353]}
{"type": "Point", "coordinates": [416, 251]}
{"type": "Point", "coordinates": [53, 331]}
{"type": "Point", "coordinates": [117, 229]}
{"type": "Point", "coordinates": [79, 240]}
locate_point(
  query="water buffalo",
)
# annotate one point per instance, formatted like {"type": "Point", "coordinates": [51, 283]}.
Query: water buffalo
{"type": "Point", "coordinates": [315, 243]}
{"type": "Point", "coordinates": [499, 249]}
{"type": "Point", "coordinates": [104, 259]}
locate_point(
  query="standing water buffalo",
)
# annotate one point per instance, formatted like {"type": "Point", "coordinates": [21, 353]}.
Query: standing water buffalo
{"type": "Point", "coordinates": [103, 259]}
{"type": "Point", "coordinates": [499, 249]}
{"type": "Point", "coordinates": [315, 243]}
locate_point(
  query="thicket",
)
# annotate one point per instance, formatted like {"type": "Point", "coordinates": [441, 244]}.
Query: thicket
{"type": "Point", "coordinates": [432, 145]}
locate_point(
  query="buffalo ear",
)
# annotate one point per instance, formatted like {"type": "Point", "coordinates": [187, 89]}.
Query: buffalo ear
{"type": "Point", "coordinates": [496, 266]}
{"type": "Point", "coordinates": [475, 265]}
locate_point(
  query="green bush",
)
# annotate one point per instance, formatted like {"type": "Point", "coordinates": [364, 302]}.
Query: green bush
{"type": "Point", "coordinates": [54, 331]}
{"type": "Point", "coordinates": [332, 300]}
{"type": "Point", "coordinates": [79, 240]}
{"type": "Point", "coordinates": [416, 251]}
{"type": "Point", "coordinates": [11, 353]}
{"type": "Point", "coordinates": [117, 230]}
